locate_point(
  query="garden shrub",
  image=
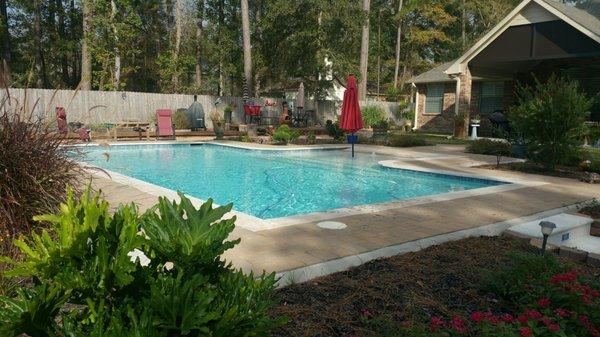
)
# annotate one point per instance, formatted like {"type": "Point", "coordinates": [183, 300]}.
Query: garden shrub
{"type": "Point", "coordinates": [333, 130]}
{"type": "Point", "coordinates": [34, 170]}
{"type": "Point", "coordinates": [490, 147]}
{"type": "Point", "coordinates": [372, 114]}
{"type": "Point", "coordinates": [181, 120]}
{"type": "Point", "coordinates": [550, 117]}
{"type": "Point", "coordinates": [408, 140]}
{"type": "Point", "coordinates": [159, 273]}
{"type": "Point", "coordinates": [284, 134]}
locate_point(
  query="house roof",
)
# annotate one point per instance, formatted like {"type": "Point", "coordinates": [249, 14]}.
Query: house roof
{"type": "Point", "coordinates": [584, 16]}
{"type": "Point", "coordinates": [436, 75]}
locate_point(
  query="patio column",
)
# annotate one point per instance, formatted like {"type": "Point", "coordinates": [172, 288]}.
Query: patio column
{"type": "Point", "coordinates": [461, 124]}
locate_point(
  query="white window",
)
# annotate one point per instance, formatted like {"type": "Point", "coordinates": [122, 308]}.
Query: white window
{"type": "Point", "coordinates": [492, 97]}
{"type": "Point", "coordinates": [434, 99]}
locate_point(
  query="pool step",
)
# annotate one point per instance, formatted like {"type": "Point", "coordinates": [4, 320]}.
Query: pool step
{"type": "Point", "coordinates": [590, 244]}
{"type": "Point", "coordinates": [571, 231]}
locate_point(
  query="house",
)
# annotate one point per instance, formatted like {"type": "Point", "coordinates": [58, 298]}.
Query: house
{"type": "Point", "coordinates": [536, 39]}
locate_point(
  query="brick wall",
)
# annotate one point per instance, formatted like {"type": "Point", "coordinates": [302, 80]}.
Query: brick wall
{"type": "Point", "coordinates": [442, 122]}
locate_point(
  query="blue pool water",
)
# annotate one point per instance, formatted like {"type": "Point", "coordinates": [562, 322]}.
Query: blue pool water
{"type": "Point", "coordinates": [271, 184]}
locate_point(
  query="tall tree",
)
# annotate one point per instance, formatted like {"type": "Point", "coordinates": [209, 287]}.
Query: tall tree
{"type": "Point", "coordinates": [364, 51]}
{"type": "Point", "coordinates": [398, 42]}
{"type": "Point", "coordinates": [199, 23]}
{"type": "Point", "coordinates": [40, 65]}
{"type": "Point", "coordinates": [5, 38]}
{"type": "Point", "coordinates": [247, 46]}
{"type": "Point", "coordinates": [117, 65]}
{"type": "Point", "coordinates": [86, 58]}
{"type": "Point", "coordinates": [177, 42]}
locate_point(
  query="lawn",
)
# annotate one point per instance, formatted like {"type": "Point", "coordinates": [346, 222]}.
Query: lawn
{"type": "Point", "coordinates": [382, 297]}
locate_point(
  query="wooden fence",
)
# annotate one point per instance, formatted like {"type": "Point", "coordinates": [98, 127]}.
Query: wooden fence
{"type": "Point", "coordinates": [97, 107]}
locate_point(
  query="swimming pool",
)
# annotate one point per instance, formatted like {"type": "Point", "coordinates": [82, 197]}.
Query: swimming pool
{"type": "Point", "coordinates": [272, 184]}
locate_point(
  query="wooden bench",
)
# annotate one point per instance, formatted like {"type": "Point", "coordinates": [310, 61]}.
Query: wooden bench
{"type": "Point", "coordinates": [131, 128]}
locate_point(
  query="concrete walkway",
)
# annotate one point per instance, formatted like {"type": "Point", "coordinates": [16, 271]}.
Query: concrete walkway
{"type": "Point", "coordinates": [304, 244]}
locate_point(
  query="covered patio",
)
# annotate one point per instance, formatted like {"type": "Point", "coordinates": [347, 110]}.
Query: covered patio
{"type": "Point", "coordinates": [537, 39]}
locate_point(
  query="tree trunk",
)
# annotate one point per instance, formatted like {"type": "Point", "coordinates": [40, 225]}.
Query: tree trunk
{"type": "Point", "coordinates": [398, 42]}
{"type": "Point", "coordinates": [464, 25]}
{"type": "Point", "coordinates": [364, 52]}
{"type": "Point", "coordinates": [64, 65]}
{"type": "Point", "coordinates": [40, 67]}
{"type": "Point", "coordinates": [86, 58]}
{"type": "Point", "coordinates": [6, 51]}
{"type": "Point", "coordinates": [200, 17]}
{"type": "Point", "coordinates": [176, 49]}
{"type": "Point", "coordinates": [378, 52]}
{"type": "Point", "coordinates": [247, 47]}
{"type": "Point", "coordinates": [117, 70]}
{"type": "Point", "coordinates": [257, 75]}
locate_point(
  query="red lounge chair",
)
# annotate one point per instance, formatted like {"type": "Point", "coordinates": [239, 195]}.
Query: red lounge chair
{"type": "Point", "coordinates": [61, 119]}
{"type": "Point", "coordinates": [164, 124]}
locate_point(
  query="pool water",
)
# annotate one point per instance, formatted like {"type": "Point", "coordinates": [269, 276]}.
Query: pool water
{"type": "Point", "coordinates": [272, 184]}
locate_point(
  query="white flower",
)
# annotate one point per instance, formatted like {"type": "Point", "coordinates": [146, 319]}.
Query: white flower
{"type": "Point", "coordinates": [169, 265]}
{"type": "Point", "coordinates": [142, 232]}
{"type": "Point", "coordinates": [137, 254]}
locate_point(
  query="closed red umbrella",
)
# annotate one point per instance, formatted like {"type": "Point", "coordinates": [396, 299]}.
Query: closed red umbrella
{"type": "Point", "coordinates": [351, 120]}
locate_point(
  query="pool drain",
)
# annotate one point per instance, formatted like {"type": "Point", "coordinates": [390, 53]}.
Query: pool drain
{"type": "Point", "coordinates": [331, 225]}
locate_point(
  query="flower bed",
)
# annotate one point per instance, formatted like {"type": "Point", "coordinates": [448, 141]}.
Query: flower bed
{"type": "Point", "coordinates": [473, 287]}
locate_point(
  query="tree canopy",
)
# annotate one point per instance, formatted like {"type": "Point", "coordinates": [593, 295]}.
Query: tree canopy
{"type": "Point", "coordinates": [195, 46]}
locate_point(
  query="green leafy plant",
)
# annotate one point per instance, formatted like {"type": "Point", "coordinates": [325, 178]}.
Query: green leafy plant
{"type": "Point", "coordinates": [408, 141]}
{"type": "Point", "coordinates": [284, 134]}
{"type": "Point", "coordinates": [372, 114]}
{"type": "Point", "coordinates": [333, 130]}
{"type": "Point", "coordinates": [551, 117]}
{"type": "Point", "coordinates": [311, 138]}
{"type": "Point", "coordinates": [159, 273]}
{"type": "Point", "coordinates": [490, 147]}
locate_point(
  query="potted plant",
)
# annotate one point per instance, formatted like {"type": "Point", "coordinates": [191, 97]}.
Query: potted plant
{"type": "Point", "coordinates": [460, 126]}
{"type": "Point", "coordinates": [380, 129]}
{"type": "Point", "coordinates": [227, 112]}
{"type": "Point", "coordinates": [476, 119]}
{"type": "Point", "coordinates": [218, 123]}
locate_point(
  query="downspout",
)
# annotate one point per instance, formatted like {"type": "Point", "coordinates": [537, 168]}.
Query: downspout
{"type": "Point", "coordinates": [456, 94]}
{"type": "Point", "coordinates": [416, 126]}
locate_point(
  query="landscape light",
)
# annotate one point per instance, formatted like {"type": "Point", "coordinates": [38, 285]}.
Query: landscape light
{"type": "Point", "coordinates": [547, 229]}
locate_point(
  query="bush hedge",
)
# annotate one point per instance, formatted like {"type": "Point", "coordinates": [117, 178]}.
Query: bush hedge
{"type": "Point", "coordinates": [550, 117]}
{"type": "Point", "coordinates": [408, 140]}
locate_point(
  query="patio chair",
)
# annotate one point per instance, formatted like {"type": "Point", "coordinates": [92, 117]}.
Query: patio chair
{"type": "Point", "coordinates": [61, 120]}
{"type": "Point", "coordinates": [164, 124]}
{"type": "Point", "coordinates": [84, 134]}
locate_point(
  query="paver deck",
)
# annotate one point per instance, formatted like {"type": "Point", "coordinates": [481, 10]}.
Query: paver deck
{"type": "Point", "coordinates": [291, 247]}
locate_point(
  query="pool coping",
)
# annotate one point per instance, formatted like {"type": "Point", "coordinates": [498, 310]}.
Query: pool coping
{"type": "Point", "coordinates": [255, 224]}
{"type": "Point", "coordinates": [309, 272]}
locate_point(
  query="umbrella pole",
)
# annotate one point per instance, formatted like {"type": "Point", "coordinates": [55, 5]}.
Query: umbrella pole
{"type": "Point", "coordinates": [353, 145]}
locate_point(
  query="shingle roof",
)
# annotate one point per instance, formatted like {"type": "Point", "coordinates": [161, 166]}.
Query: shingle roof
{"type": "Point", "coordinates": [586, 13]}
{"type": "Point", "coordinates": [436, 74]}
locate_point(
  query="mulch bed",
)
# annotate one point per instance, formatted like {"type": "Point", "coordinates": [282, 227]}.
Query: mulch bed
{"type": "Point", "coordinates": [527, 167]}
{"type": "Point", "coordinates": [440, 280]}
